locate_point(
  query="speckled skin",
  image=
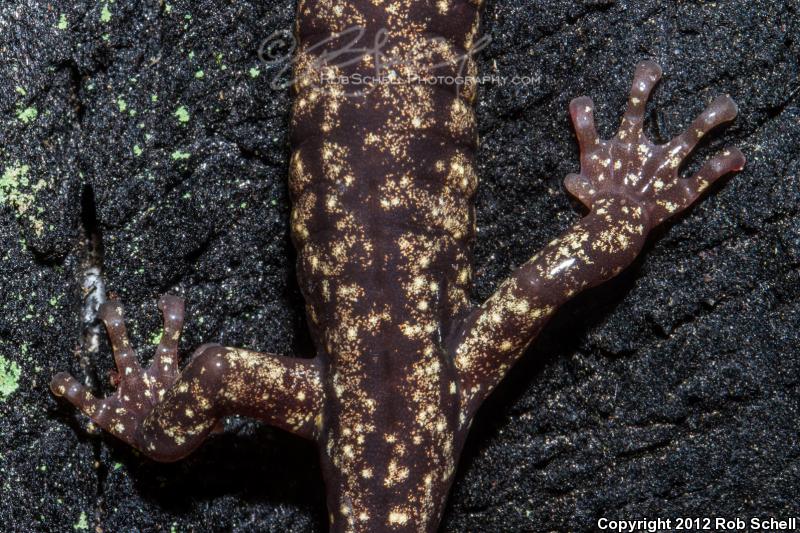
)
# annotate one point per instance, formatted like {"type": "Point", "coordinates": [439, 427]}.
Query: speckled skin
{"type": "Point", "coordinates": [382, 182]}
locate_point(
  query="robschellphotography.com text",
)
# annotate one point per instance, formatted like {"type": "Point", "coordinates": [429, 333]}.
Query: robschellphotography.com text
{"type": "Point", "coordinates": [652, 525]}
{"type": "Point", "coordinates": [393, 79]}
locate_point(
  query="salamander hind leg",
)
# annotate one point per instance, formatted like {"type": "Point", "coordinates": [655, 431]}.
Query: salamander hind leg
{"type": "Point", "coordinates": [631, 170]}
{"type": "Point", "coordinates": [138, 390]}
{"type": "Point", "coordinates": [166, 413]}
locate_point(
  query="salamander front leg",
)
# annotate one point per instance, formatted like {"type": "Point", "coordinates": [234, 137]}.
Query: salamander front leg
{"type": "Point", "coordinates": [166, 414]}
{"type": "Point", "coordinates": [630, 186]}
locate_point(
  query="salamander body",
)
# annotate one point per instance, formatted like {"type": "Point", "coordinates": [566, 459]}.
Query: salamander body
{"type": "Point", "coordinates": [382, 179]}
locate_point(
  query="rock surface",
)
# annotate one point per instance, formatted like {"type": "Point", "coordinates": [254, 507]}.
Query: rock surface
{"type": "Point", "coordinates": [672, 391]}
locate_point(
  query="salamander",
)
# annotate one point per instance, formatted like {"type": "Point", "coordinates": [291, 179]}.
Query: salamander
{"type": "Point", "coordinates": [382, 179]}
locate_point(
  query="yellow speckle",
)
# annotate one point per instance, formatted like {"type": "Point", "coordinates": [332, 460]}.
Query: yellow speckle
{"type": "Point", "coordinates": [398, 518]}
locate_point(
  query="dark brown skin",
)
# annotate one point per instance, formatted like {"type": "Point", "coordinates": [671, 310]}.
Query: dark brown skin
{"type": "Point", "coordinates": [382, 182]}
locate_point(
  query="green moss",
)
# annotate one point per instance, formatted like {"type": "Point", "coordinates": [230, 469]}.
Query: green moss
{"type": "Point", "coordinates": [9, 378]}
{"type": "Point", "coordinates": [154, 98]}
{"type": "Point", "coordinates": [27, 115]}
{"type": "Point", "coordinates": [156, 338]}
{"type": "Point", "coordinates": [255, 72]}
{"type": "Point", "coordinates": [122, 104]}
{"type": "Point", "coordinates": [178, 155]}
{"type": "Point", "coordinates": [62, 22]}
{"type": "Point", "coordinates": [182, 114]}
{"type": "Point", "coordinates": [199, 74]}
{"type": "Point", "coordinates": [137, 150]}
{"type": "Point", "coordinates": [20, 90]}
{"type": "Point", "coordinates": [105, 14]}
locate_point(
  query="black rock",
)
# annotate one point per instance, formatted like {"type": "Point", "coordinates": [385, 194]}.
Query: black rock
{"type": "Point", "coordinates": [670, 392]}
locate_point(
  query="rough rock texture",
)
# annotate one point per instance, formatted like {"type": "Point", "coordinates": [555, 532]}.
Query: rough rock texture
{"type": "Point", "coordinates": [672, 391]}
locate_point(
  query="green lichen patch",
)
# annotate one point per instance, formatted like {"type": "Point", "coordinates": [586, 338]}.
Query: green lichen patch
{"type": "Point", "coordinates": [17, 191]}
{"type": "Point", "coordinates": [105, 14]}
{"type": "Point", "coordinates": [179, 155]}
{"type": "Point", "coordinates": [13, 176]}
{"type": "Point", "coordinates": [82, 524]}
{"type": "Point", "coordinates": [9, 378]}
{"type": "Point", "coordinates": [122, 104]}
{"type": "Point", "coordinates": [182, 114]}
{"type": "Point", "coordinates": [27, 115]}
{"type": "Point", "coordinates": [62, 22]}
{"type": "Point", "coordinates": [255, 72]}
{"type": "Point", "coordinates": [219, 58]}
